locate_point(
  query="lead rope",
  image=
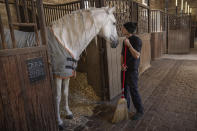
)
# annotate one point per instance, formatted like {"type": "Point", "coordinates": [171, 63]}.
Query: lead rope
{"type": "Point", "coordinates": [123, 82]}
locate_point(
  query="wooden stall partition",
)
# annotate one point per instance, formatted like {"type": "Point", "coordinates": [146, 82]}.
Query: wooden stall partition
{"type": "Point", "coordinates": [26, 93]}
{"type": "Point", "coordinates": [114, 69]}
{"type": "Point", "coordinates": [193, 29]}
{"type": "Point", "coordinates": [27, 103]}
{"type": "Point", "coordinates": [145, 57]}
{"type": "Point", "coordinates": [164, 43]}
{"type": "Point", "coordinates": [178, 41]}
{"type": "Point", "coordinates": [91, 63]}
{"type": "Point", "coordinates": [179, 34]}
{"type": "Point", "coordinates": [157, 44]}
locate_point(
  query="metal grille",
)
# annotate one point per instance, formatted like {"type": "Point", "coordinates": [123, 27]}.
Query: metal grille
{"type": "Point", "coordinates": [54, 12]}
{"type": "Point", "coordinates": [158, 21]}
{"type": "Point", "coordinates": [127, 10]}
{"type": "Point", "coordinates": [179, 22]}
{"type": "Point", "coordinates": [143, 20]}
{"type": "Point", "coordinates": [122, 13]}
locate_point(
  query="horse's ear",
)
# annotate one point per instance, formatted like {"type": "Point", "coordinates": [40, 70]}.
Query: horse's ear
{"type": "Point", "coordinates": [111, 10]}
{"type": "Point", "coordinates": [106, 8]}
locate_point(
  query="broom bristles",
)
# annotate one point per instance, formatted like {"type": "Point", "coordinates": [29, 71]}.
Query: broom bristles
{"type": "Point", "coordinates": [121, 112]}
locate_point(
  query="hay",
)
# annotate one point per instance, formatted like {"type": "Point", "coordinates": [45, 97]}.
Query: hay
{"type": "Point", "coordinates": [82, 99]}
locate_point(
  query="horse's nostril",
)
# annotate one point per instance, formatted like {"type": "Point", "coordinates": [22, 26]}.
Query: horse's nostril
{"type": "Point", "coordinates": [114, 44]}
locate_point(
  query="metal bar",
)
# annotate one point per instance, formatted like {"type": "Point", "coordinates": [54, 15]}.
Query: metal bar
{"type": "Point", "coordinates": [25, 11]}
{"type": "Point", "coordinates": [82, 4]}
{"type": "Point", "coordinates": [18, 11]}
{"type": "Point", "coordinates": [149, 21]}
{"type": "Point", "coordinates": [42, 22]}
{"type": "Point", "coordinates": [156, 22]}
{"type": "Point", "coordinates": [137, 18]}
{"type": "Point", "coordinates": [10, 24]}
{"type": "Point", "coordinates": [34, 20]}
{"type": "Point", "coordinates": [2, 34]}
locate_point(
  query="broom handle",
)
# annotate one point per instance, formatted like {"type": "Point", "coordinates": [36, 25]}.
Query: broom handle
{"type": "Point", "coordinates": [125, 53]}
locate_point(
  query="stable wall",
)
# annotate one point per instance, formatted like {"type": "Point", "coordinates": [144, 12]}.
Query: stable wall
{"type": "Point", "coordinates": [179, 41]}
{"type": "Point", "coordinates": [103, 66]}
{"type": "Point", "coordinates": [145, 57]}
{"type": "Point", "coordinates": [90, 62]}
{"type": "Point", "coordinates": [158, 44]}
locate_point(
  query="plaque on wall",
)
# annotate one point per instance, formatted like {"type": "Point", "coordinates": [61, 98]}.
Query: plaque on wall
{"type": "Point", "coordinates": [35, 68]}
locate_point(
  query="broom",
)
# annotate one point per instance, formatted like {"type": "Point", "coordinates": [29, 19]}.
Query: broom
{"type": "Point", "coordinates": [121, 112]}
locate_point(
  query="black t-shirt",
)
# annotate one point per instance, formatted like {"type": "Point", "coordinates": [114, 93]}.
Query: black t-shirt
{"type": "Point", "coordinates": [132, 62]}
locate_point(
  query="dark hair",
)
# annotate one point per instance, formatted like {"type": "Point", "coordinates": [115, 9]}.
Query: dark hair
{"type": "Point", "coordinates": [130, 27]}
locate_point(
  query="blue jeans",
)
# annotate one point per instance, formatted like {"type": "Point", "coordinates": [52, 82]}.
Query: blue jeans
{"type": "Point", "coordinates": [131, 86]}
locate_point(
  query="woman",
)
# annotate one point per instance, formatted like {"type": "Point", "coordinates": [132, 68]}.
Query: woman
{"type": "Point", "coordinates": [134, 45]}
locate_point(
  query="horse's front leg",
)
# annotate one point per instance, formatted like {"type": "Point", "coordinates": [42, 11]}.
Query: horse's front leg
{"type": "Point", "coordinates": [58, 83]}
{"type": "Point", "coordinates": [66, 107]}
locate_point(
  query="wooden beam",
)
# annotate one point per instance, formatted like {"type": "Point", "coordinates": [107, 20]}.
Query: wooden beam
{"type": "Point", "coordinates": [24, 24]}
{"type": "Point", "coordinates": [42, 21]}
{"type": "Point", "coordinates": [10, 23]}
{"type": "Point", "coordinates": [2, 34]}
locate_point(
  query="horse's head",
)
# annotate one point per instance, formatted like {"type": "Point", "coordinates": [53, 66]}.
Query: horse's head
{"type": "Point", "coordinates": [108, 29]}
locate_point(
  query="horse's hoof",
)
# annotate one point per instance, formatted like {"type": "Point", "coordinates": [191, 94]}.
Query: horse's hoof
{"type": "Point", "coordinates": [61, 127]}
{"type": "Point", "coordinates": [69, 116]}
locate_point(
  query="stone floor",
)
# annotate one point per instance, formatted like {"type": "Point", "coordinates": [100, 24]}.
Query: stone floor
{"type": "Point", "coordinates": [169, 93]}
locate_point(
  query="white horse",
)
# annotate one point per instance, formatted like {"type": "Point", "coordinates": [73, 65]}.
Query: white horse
{"type": "Point", "coordinates": [67, 38]}
{"type": "Point", "coordinates": [76, 31]}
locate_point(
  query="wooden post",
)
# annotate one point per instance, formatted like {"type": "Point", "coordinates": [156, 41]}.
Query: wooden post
{"type": "Point", "coordinates": [42, 22]}
{"type": "Point", "coordinates": [131, 5]}
{"type": "Point", "coordinates": [103, 63]}
{"type": "Point", "coordinates": [102, 3]}
{"type": "Point", "coordinates": [2, 34]}
{"type": "Point", "coordinates": [10, 24]}
{"type": "Point", "coordinates": [167, 23]}
{"type": "Point", "coordinates": [149, 17]}
{"type": "Point", "coordinates": [34, 21]}
{"type": "Point", "coordinates": [82, 4]}
{"type": "Point", "coordinates": [25, 11]}
{"type": "Point", "coordinates": [149, 20]}
{"type": "Point", "coordinates": [138, 18]}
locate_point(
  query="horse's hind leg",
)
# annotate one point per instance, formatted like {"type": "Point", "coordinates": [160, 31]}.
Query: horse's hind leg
{"type": "Point", "coordinates": [58, 83]}
{"type": "Point", "coordinates": [66, 107]}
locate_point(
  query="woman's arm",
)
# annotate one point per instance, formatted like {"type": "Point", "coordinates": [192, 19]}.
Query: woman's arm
{"type": "Point", "coordinates": [123, 66]}
{"type": "Point", "coordinates": [134, 52]}
{"type": "Point", "coordinates": [122, 62]}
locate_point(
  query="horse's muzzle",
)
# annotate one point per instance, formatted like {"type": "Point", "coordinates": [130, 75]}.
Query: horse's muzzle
{"type": "Point", "coordinates": [114, 44]}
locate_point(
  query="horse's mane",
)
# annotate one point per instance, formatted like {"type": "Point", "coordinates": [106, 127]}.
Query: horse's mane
{"type": "Point", "coordinates": [75, 29]}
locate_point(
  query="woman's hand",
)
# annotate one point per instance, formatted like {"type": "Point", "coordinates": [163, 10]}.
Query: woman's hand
{"type": "Point", "coordinates": [124, 67]}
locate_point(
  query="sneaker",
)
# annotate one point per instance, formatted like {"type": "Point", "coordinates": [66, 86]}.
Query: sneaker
{"type": "Point", "coordinates": [137, 116]}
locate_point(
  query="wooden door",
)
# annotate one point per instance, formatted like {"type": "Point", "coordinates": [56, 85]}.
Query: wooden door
{"type": "Point", "coordinates": [26, 94]}
{"type": "Point", "coordinates": [179, 34]}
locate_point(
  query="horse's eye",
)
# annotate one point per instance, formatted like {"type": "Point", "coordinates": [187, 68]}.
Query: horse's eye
{"type": "Point", "coordinates": [114, 23]}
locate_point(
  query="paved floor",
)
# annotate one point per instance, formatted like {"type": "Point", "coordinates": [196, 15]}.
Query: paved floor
{"type": "Point", "coordinates": [169, 94]}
